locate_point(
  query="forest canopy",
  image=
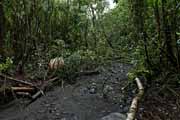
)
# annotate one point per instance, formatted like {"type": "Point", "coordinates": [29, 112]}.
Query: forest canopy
{"type": "Point", "coordinates": [144, 33]}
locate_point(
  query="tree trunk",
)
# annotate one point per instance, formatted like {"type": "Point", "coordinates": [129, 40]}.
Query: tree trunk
{"type": "Point", "coordinates": [94, 25]}
{"type": "Point", "coordinates": [158, 27]}
{"type": "Point", "coordinates": [167, 36]}
{"type": "Point", "coordinates": [1, 28]}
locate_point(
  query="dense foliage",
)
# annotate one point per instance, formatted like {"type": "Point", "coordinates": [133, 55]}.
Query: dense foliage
{"type": "Point", "coordinates": [85, 33]}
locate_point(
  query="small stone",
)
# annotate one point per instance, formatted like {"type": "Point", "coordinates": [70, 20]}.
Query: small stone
{"type": "Point", "coordinates": [41, 111]}
{"type": "Point", "coordinates": [83, 91]}
{"type": "Point", "coordinates": [57, 114]}
{"type": "Point", "coordinates": [107, 89]}
{"type": "Point", "coordinates": [174, 108]}
{"type": "Point", "coordinates": [141, 109]}
{"type": "Point", "coordinates": [53, 103]}
{"type": "Point", "coordinates": [121, 106]}
{"type": "Point", "coordinates": [50, 111]}
{"type": "Point", "coordinates": [114, 116]}
{"type": "Point", "coordinates": [134, 91]}
{"type": "Point", "coordinates": [93, 84]}
{"type": "Point", "coordinates": [92, 91]}
{"type": "Point", "coordinates": [125, 109]}
{"type": "Point", "coordinates": [47, 105]}
{"type": "Point", "coordinates": [63, 118]}
{"type": "Point", "coordinates": [64, 98]}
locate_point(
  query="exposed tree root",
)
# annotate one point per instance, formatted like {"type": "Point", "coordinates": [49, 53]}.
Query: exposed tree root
{"type": "Point", "coordinates": [134, 105]}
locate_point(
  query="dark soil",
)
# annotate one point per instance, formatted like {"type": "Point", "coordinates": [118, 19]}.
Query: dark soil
{"type": "Point", "coordinates": [91, 98]}
{"type": "Point", "coordinates": [160, 106]}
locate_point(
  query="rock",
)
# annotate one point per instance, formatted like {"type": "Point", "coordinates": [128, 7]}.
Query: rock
{"type": "Point", "coordinates": [92, 91]}
{"type": "Point", "coordinates": [93, 88]}
{"type": "Point", "coordinates": [107, 89]}
{"type": "Point", "coordinates": [125, 109]}
{"type": "Point", "coordinates": [114, 116]}
{"type": "Point", "coordinates": [83, 91]}
{"type": "Point", "coordinates": [70, 118]}
{"type": "Point", "coordinates": [41, 111]}
{"type": "Point", "coordinates": [57, 114]}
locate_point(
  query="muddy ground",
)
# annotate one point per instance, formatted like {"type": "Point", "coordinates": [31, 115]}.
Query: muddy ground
{"type": "Point", "coordinates": [91, 98]}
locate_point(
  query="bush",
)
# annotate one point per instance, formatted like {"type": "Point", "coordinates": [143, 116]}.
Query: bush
{"type": "Point", "coordinates": [6, 66]}
{"type": "Point", "coordinates": [76, 62]}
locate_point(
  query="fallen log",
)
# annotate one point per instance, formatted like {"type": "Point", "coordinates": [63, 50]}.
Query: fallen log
{"type": "Point", "coordinates": [36, 95]}
{"type": "Point", "coordinates": [17, 80]}
{"type": "Point", "coordinates": [134, 105]}
{"type": "Point", "coordinates": [22, 89]}
{"type": "Point", "coordinates": [24, 94]}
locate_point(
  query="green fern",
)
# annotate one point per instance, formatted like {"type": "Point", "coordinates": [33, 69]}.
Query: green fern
{"type": "Point", "coordinates": [5, 66]}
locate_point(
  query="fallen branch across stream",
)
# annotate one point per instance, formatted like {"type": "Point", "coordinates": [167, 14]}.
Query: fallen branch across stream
{"type": "Point", "coordinates": [134, 105]}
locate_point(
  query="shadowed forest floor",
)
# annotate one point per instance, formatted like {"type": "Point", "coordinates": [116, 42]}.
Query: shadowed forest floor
{"type": "Point", "coordinates": [81, 101]}
{"type": "Point", "coordinates": [85, 100]}
{"type": "Point", "coordinates": [43, 42]}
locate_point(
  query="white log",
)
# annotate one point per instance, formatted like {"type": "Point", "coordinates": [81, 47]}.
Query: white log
{"type": "Point", "coordinates": [134, 105]}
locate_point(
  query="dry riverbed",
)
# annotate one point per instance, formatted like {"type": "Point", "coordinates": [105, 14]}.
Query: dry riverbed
{"type": "Point", "coordinates": [93, 97]}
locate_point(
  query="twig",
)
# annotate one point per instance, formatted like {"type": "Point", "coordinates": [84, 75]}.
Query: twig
{"type": "Point", "coordinates": [127, 85]}
{"type": "Point", "coordinates": [134, 104]}
{"type": "Point", "coordinates": [43, 87]}
{"type": "Point", "coordinates": [35, 96]}
{"type": "Point", "coordinates": [177, 7]}
{"type": "Point", "coordinates": [52, 80]}
{"type": "Point", "coordinates": [174, 92]}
